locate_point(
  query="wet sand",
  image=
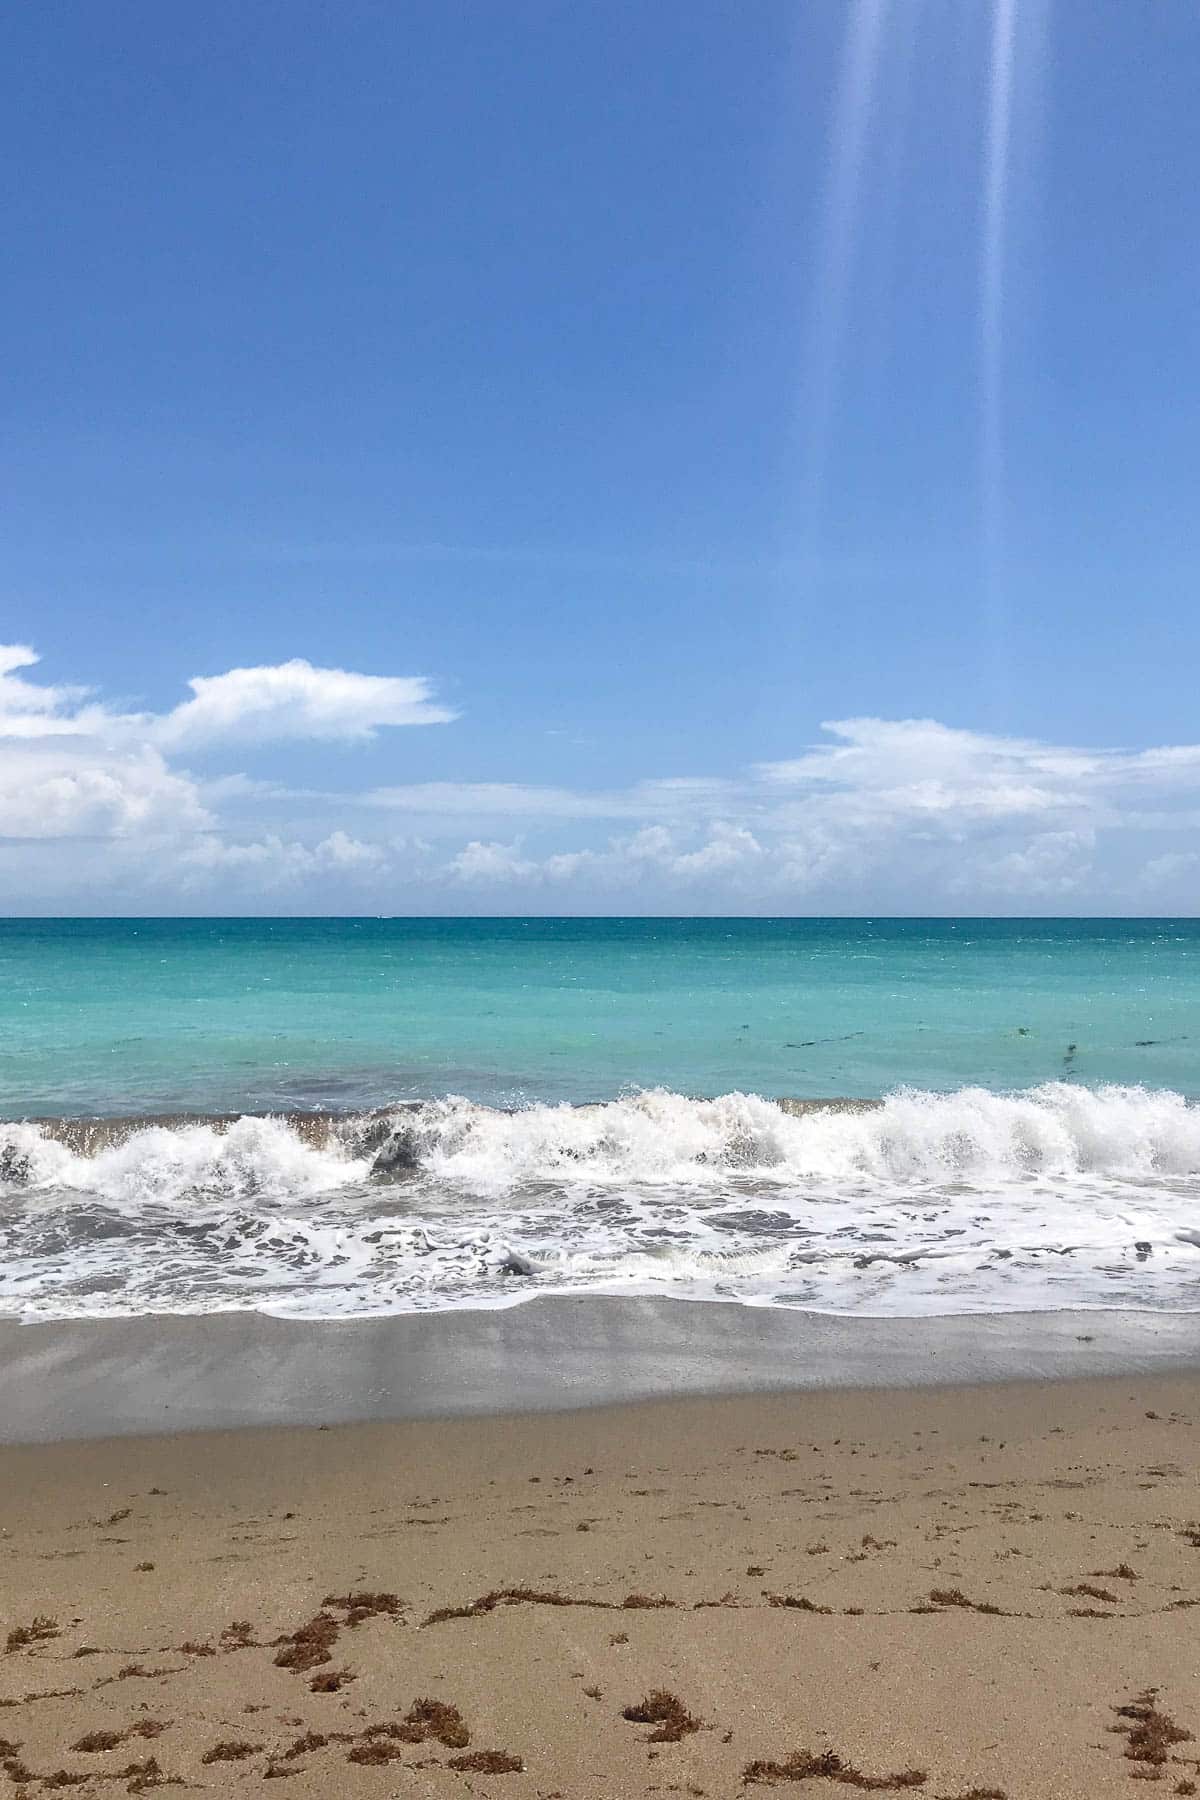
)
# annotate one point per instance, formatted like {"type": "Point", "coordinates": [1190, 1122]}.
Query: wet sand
{"type": "Point", "coordinates": [953, 1590]}
{"type": "Point", "coordinates": [92, 1378]}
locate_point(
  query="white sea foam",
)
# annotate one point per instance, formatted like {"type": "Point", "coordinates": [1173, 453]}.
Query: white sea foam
{"type": "Point", "coordinates": [970, 1201]}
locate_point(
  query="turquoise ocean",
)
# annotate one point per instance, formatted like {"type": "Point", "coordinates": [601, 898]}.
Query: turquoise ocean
{"type": "Point", "coordinates": [333, 1117]}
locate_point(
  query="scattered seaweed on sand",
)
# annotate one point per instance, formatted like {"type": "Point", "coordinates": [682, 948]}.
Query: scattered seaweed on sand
{"type": "Point", "coordinates": [330, 1681]}
{"type": "Point", "coordinates": [487, 1762]}
{"type": "Point", "coordinates": [975, 1793]}
{"type": "Point", "coordinates": [16, 1770]}
{"type": "Point", "coordinates": [1150, 1732]}
{"type": "Point", "coordinates": [513, 1596]}
{"type": "Point", "coordinates": [108, 1740]}
{"type": "Point", "coordinates": [798, 1603]}
{"type": "Point", "coordinates": [315, 1740]}
{"type": "Point", "coordinates": [1085, 1590]}
{"type": "Point", "coordinates": [99, 1740]}
{"type": "Point", "coordinates": [142, 1776]}
{"type": "Point", "coordinates": [239, 1635]}
{"type": "Point", "coordinates": [230, 1750]}
{"type": "Point", "coordinates": [136, 1670]}
{"type": "Point", "coordinates": [827, 1765]}
{"type": "Point", "coordinates": [310, 1645]}
{"type": "Point", "coordinates": [434, 1719]}
{"type": "Point", "coordinates": [1122, 1572]}
{"type": "Point", "coordinates": [39, 1628]}
{"type": "Point", "coordinates": [667, 1713]}
{"type": "Point", "coordinates": [71, 1693]}
{"type": "Point", "coordinates": [65, 1778]}
{"type": "Point", "coordinates": [425, 1719]}
{"type": "Point", "coordinates": [375, 1750]}
{"type": "Point", "coordinates": [956, 1597]}
{"type": "Point", "coordinates": [362, 1605]}
{"type": "Point", "coordinates": [524, 1596]}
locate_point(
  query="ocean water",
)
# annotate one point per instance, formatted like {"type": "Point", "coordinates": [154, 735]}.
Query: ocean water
{"type": "Point", "coordinates": [333, 1118]}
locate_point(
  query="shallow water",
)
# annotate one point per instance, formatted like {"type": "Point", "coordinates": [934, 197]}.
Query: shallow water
{"type": "Point", "coordinates": [250, 1015]}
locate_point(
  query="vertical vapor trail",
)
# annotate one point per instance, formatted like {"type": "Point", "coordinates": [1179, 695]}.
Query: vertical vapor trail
{"type": "Point", "coordinates": [856, 88]}
{"type": "Point", "coordinates": [991, 308]}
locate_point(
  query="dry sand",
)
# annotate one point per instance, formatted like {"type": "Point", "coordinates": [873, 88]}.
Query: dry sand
{"type": "Point", "coordinates": [953, 1591]}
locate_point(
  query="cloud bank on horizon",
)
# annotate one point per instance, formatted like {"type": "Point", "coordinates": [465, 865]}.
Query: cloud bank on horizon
{"type": "Point", "coordinates": [106, 810]}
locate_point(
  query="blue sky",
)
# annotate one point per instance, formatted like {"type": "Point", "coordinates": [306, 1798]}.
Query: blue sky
{"type": "Point", "coordinates": [637, 390]}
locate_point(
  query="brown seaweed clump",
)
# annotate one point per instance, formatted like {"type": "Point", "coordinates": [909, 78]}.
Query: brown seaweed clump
{"type": "Point", "coordinates": [231, 1750]}
{"type": "Point", "coordinates": [99, 1740]}
{"type": "Point", "coordinates": [956, 1597]}
{"type": "Point", "coordinates": [362, 1605]}
{"type": "Point", "coordinates": [487, 1762]}
{"type": "Point", "coordinates": [524, 1596]}
{"type": "Point", "coordinates": [142, 1776]}
{"type": "Point", "coordinates": [39, 1628]}
{"type": "Point", "coordinates": [1149, 1731]}
{"type": "Point", "coordinates": [108, 1740]}
{"type": "Point", "coordinates": [797, 1603]}
{"type": "Point", "coordinates": [310, 1645]}
{"type": "Point", "coordinates": [330, 1681]}
{"type": "Point", "coordinates": [827, 1765]}
{"type": "Point", "coordinates": [434, 1719]}
{"type": "Point", "coordinates": [425, 1719]}
{"type": "Point", "coordinates": [667, 1713]}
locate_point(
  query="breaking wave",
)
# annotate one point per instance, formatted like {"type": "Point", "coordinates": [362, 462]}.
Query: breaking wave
{"type": "Point", "coordinates": [971, 1201]}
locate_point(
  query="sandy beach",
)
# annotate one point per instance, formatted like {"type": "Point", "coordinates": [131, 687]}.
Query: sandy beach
{"type": "Point", "coordinates": [975, 1590]}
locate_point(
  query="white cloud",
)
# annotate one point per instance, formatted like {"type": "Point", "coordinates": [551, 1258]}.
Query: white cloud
{"type": "Point", "coordinates": [77, 788]}
{"type": "Point", "coordinates": [490, 863]}
{"type": "Point", "coordinates": [30, 709]}
{"type": "Point", "coordinates": [295, 700]}
{"type": "Point", "coordinates": [903, 815]}
{"type": "Point", "coordinates": [1056, 863]}
{"type": "Point", "coordinates": [273, 862]}
{"type": "Point", "coordinates": [73, 768]}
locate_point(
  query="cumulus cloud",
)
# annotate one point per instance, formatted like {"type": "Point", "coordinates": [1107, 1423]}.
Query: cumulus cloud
{"type": "Point", "coordinates": [878, 814]}
{"type": "Point", "coordinates": [490, 863]}
{"type": "Point", "coordinates": [273, 862]}
{"type": "Point", "coordinates": [71, 767]}
{"type": "Point", "coordinates": [88, 790]}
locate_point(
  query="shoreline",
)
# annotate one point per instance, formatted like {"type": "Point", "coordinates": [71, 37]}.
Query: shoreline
{"type": "Point", "coordinates": [95, 1378]}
